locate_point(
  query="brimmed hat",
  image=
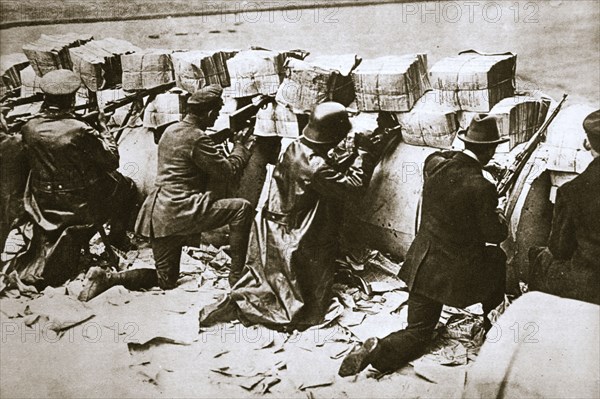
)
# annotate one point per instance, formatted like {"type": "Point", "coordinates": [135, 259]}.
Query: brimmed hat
{"type": "Point", "coordinates": [206, 95]}
{"type": "Point", "coordinates": [60, 82]}
{"type": "Point", "coordinates": [328, 124]}
{"type": "Point", "coordinates": [482, 130]}
{"type": "Point", "coordinates": [591, 125]}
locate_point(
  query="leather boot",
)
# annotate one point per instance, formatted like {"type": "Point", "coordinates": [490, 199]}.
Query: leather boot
{"type": "Point", "coordinates": [359, 358]}
{"type": "Point", "coordinates": [238, 240]}
{"type": "Point", "coordinates": [97, 280]}
{"type": "Point", "coordinates": [100, 280]}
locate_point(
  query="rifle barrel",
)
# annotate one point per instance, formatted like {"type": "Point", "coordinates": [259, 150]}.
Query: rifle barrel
{"type": "Point", "coordinates": [522, 157]}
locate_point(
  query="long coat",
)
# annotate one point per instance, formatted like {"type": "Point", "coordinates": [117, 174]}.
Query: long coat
{"type": "Point", "coordinates": [73, 185]}
{"type": "Point", "coordinates": [187, 161]}
{"type": "Point", "coordinates": [13, 177]}
{"type": "Point", "coordinates": [570, 265]}
{"type": "Point", "coordinates": [448, 261]}
{"type": "Point", "coordinates": [72, 170]}
{"type": "Point", "coordinates": [295, 240]}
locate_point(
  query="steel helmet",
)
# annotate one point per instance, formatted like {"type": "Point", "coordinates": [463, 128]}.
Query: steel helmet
{"type": "Point", "coordinates": [328, 124]}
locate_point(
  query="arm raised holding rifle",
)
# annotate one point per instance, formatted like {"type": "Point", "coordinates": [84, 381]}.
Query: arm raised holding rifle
{"type": "Point", "coordinates": [243, 119]}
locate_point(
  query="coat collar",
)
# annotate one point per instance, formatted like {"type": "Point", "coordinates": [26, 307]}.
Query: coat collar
{"type": "Point", "coordinates": [463, 157]}
{"type": "Point", "coordinates": [195, 121]}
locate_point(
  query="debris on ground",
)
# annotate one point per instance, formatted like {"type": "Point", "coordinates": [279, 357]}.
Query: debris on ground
{"type": "Point", "coordinates": [160, 333]}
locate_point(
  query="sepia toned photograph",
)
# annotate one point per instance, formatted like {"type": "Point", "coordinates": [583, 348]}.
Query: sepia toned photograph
{"type": "Point", "coordinates": [300, 199]}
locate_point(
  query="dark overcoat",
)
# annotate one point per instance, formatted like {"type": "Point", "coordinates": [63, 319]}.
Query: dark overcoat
{"type": "Point", "coordinates": [448, 261]}
{"type": "Point", "coordinates": [570, 266]}
{"type": "Point", "coordinates": [73, 186]}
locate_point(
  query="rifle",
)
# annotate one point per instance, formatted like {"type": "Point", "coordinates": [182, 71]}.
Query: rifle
{"type": "Point", "coordinates": [112, 106]}
{"type": "Point", "coordinates": [16, 121]}
{"type": "Point", "coordinates": [341, 156]}
{"type": "Point", "coordinates": [510, 175]}
{"type": "Point", "coordinates": [242, 118]}
{"type": "Point", "coordinates": [12, 102]}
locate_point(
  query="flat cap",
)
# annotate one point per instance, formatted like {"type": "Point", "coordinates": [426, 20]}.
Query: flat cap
{"type": "Point", "coordinates": [206, 95]}
{"type": "Point", "coordinates": [60, 82]}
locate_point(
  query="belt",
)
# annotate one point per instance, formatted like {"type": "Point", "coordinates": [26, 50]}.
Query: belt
{"type": "Point", "coordinates": [61, 186]}
{"type": "Point", "coordinates": [279, 218]}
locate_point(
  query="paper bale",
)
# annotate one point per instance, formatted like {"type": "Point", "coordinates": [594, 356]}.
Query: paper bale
{"type": "Point", "coordinates": [146, 69]}
{"type": "Point", "coordinates": [392, 83]}
{"type": "Point", "coordinates": [520, 117]}
{"type": "Point", "coordinates": [276, 120]}
{"type": "Point", "coordinates": [51, 52]}
{"type": "Point", "coordinates": [429, 124]}
{"type": "Point", "coordinates": [30, 82]}
{"type": "Point", "coordinates": [166, 108]}
{"type": "Point", "coordinates": [196, 69]}
{"type": "Point", "coordinates": [254, 72]}
{"type": "Point", "coordinates": [314, 81]}
{"type": "Point", "coordinates": [473, 81]}
{"type": "Point", "coordinates": [565, 138]}
{"type": "Point", "coordinates": [364, 122]}
{"type": "Point", "coordinates": [11, 66]}
{"type": "Point", "coordinates": [99, 62]}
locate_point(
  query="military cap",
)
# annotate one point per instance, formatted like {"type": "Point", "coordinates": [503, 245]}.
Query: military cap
{"type": "Point", "coordinates": [206, 95]}
{"type": "Point", "coordinates": [60, 82]}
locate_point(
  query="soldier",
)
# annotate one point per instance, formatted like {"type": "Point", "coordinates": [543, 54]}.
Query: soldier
{"type": "Point", "coordinates": [449, 262]}
{"type": "Point", "coordinates": [294, 247]}
{"type": "Point", "coordinates": [181, 207]}
{"type": "Point", "coordinates": [569, 266]}
{"type": "Point", "coordinates": [73, 184]}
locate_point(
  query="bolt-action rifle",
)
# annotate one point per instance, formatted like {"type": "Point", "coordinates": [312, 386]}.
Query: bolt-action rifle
{"type": "Point", "coordinates": [510, 175]}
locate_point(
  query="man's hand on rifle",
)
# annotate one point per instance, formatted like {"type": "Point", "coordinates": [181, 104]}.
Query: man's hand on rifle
{"type": "Point", "coordinates": [374, 143]}
{"type": "Point", "coordinates": [502, 202]}
{"type": "Point", "coordinates": [245, 138]}
{"type": "Point", "coordinates": [495, 169]}
{"type": "Point", "coordinates": [102, 121]}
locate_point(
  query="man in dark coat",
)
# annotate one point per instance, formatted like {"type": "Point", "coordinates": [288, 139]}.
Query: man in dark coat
{"type": "Point", "coordinates": [181, 207]}
{"type": "Point", "coordinates": [14, 170]}
{"type": "Point", "coordinates": [73, 187]}
{"type": "Point", "coordinates": [449, 261]}
{"type": "Point", "coordinates": [292, 255]}
{"type": "Point", "coordinates": [570, 265]}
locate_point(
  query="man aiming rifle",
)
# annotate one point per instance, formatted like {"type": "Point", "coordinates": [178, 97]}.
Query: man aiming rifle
{"type": "Point", "coordinates": [73, 186]}
{"type": "Point", "coordinates": [182, 206]}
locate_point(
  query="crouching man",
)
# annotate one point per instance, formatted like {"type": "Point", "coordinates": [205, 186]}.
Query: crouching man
{"type": "Point", "coordinates": [449, 262]}
{"type": "Point", "coordinates": [181, 207]}
{"type": "Point", "coordinates": [570, 265]}
{"type": "Point", "coordinates": [73, 186]}
{"type": "Point", "coordinates": [291, 258]}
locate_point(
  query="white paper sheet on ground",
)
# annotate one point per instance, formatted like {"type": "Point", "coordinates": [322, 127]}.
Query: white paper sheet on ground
{"type": "Point", "coordinates": [380, 325]}
{"type": "Point", "coordinates": [439, 374]}
{"type": "Point", "coordinates": [170, 315]}
{"type": "Point", "coordinates": [62, 312]}
{"type": "Point", "coordinates": [311, 369]}
{"type": "Point", "coordinates": [351, 319]}
{"type": "Point", "coordinates": [13, 307]}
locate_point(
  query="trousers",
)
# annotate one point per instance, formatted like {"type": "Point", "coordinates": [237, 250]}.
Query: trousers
{"type": "Point", "coordinates": [401, 347]}
{"type": "Point", "coordinates": [235, 212]}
